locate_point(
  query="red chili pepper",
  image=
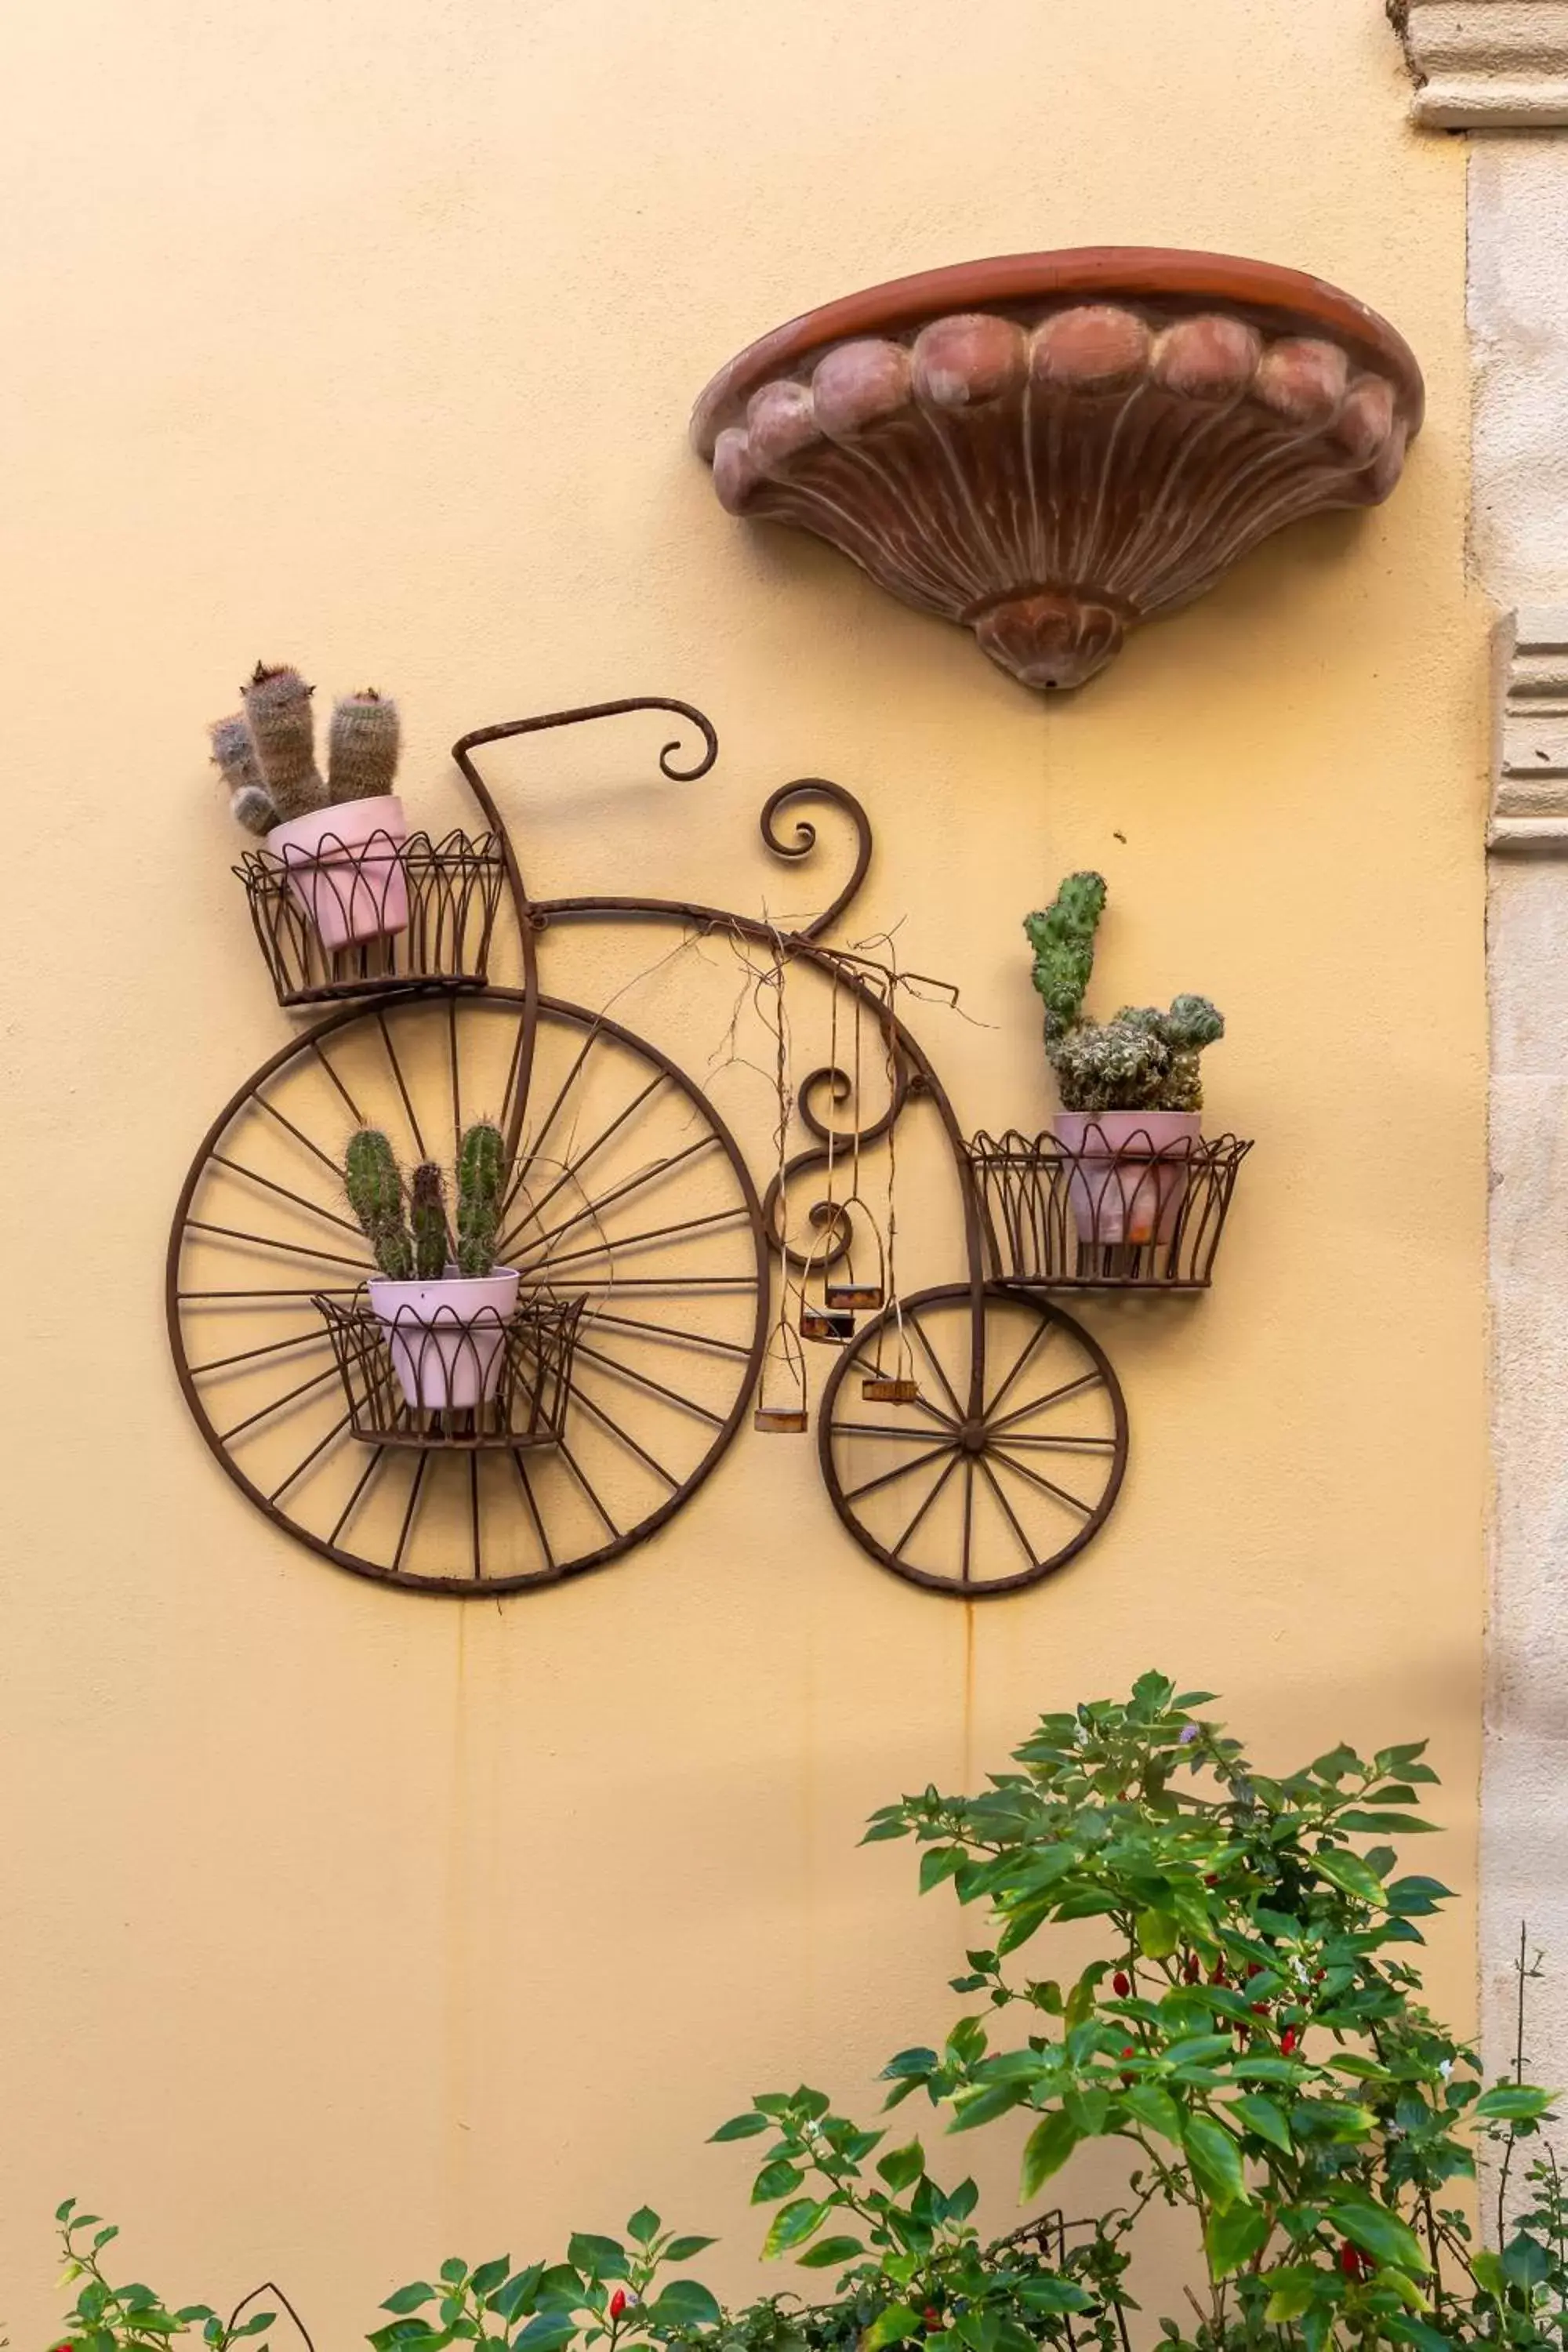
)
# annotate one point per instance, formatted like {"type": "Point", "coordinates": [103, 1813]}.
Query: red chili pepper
{"type": "Point", "coordinates": [1255, 1967]}
{"type": "Point", "coordinates": [931, 2315]}
{"type": "Point", "coordinates": [1288, 2040]}
{"type": "Point", "coordinates": [1317, 1975]}
{"type": "Point", "coordinates": [1260, 2008]}
{"type": "Point", "coordinates": [617, 2303]}
{"type": "Point", "coordinates": [1216, 1974]}
{"type": "Point", "coordinates": [1194, 1969]}
{"type": "Point", "coordinates": [1354, 2263]}
{"type": "Point", "coordinates": [1210, 1879]}
{"type": "Point", "coordinates": [1121, 1984]}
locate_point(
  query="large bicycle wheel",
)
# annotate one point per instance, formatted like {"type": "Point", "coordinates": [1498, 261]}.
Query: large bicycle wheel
{"type": "Point", "coordinates": [628, 1193]}
{"type": "Point", "coordinates": [974, 1502]}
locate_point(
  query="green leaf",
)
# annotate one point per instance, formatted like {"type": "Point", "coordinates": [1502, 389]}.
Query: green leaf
{"type": "Point", "coordinates": [1389, 1824]}
{"type": "Point", "coordinates": [509, 2300]}
{"type": "Point", "coordinates": [1512, 2102]}
{"type": "Point", "coordinates": [776, 2180]}
{"type": "Point", "coordinates": [680, 2250]}
{"type": "Point", "coordinates": [1526, 2262]}
{"type": "Point", "coordinates": [1197, 2049]}
{"type": "Point", "coordinates": [901, 2165]}
{"type": "Point", "coordinates": [829, 2251]}
{"type": "Point", "coordinates": [1052, 2294]}
{"type": "Point", "coordinates": [1293, 2291]}
{"type": "Point", "coordinates": [1350, 1873]}
{"type": "Point", "coordinates": [547, 2333]}
{"type": "Point", "coordinates": [685, 2302]}
{"type": "Point", "coordinates": [1158, 1934]}
{"type": "Point", "coordinates": [1234, 2236]}
{"type": "Point", "coordinates": [894, 2325]}
{"type": "Point", "coordinates": [744, 2126]}
{"type": "Point", "coordinates": [794, 2225]}
{"type": "Point", "coordinates": [596, 2257]}
{"type": "Point", "coordinates": [1262, 2117]}
{"type": "Point", "coordinates": [939, 1862]}
{"type": "Point", "coordinates": [1215, 2159]}
{"type": "Point", "coordinates": [643, 2226]}
{"type": "Point", "coordinates": [916, 2065]}
{"type": "Point", "coordinates": [1488, 2270]}
{"type": "Point", "coordinates": [1047, 2149]}
{"type": "Point", "coordinates": [489, 2275]}
{"type": "Point", "coordinates": [1151, 2105]}
{"type": "Point", "coordinates": [984, 2106]}
{"type": "Point", "coordinates": [454, 2269]}
{"type": "Point", "coordinates": [1381, 2234]}
{"type": "Point", "coordinates": [410, 2298]}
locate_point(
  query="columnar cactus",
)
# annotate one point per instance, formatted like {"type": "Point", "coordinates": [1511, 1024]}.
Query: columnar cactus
{"type": "Point", "coordinates": [233, 755]}
{"type": "Point", "coordinates": [362, 746]}
{"type": "Point", "coordinates": [375, 1188]}
{"type": "Point", "coordinates": [410, 1235]}
{"type": "Point", "coordinates": [1144, 1059]}
{"type": "Point", "coordinates": [427, 1218]}
{"type": "Point", "coordinates": [481, 1178]}
{"type": "Point", "coordinates": [278, 713]}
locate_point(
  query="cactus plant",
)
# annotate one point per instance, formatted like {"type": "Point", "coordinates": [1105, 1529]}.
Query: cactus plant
{"type": "Point", "coordinates": [481, 1174]}
{"type": "Point", "coordinates": [1142, 1060]}
{"type": "Point", "coordinates": [278, 713]}
{"type": "Point", "coordinates": [375, 1188]}
{"type": "Point", "coordinates": [362, 746]}
{"type": "Point", "coordinates": [407, 1227]}
{"type": "Point", "coordinates": [233, 756]}
{"type": "Point", "coordinates": [427, 1220]}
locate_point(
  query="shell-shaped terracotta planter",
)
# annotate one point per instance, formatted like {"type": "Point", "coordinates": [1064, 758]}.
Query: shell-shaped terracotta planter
{"type": "Point", "coordinates": [1052, 448]}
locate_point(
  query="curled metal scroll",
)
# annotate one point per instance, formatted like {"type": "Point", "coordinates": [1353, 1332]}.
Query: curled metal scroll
{"type": "Point", "coordinates": [828, 1218]}
{"type": "Point", "coordinates": [823, 789]}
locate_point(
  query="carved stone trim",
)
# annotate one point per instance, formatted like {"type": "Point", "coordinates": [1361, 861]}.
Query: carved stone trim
{"type": "Point", "coordinates": [1530, 768]}
{"type": "Point", "coordinates": [1486, 65]}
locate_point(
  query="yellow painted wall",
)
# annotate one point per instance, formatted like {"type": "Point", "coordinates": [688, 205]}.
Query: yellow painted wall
{"type": "Point", "coordinates": [342, 1928]}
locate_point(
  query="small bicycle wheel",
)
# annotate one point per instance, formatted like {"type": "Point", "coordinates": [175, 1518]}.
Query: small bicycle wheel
{"type": "Point", "coordinates": [974, 1502]}
{"type": "Point", "coordinates": [630, 1204]}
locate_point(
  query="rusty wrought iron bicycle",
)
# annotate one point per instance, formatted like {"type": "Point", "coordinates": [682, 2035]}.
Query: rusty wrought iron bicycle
{"type": "Point", "coordinates": [972, 1435]}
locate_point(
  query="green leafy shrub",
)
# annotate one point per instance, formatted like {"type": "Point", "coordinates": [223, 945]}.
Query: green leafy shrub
{"type": "Point", "coordinates": [1250, 2031]}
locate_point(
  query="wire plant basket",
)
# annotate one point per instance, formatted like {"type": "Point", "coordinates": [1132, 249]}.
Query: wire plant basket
{"type": "Point", "coordinates": [1106, 1217]}
{"type": "Point", "coordinates": [464, 1382]}
{"type": "Point", "coordinates": [382, 914]}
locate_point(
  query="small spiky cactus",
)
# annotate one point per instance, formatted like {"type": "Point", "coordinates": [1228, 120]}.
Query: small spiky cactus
{"type": "Point", "coordinates": [482, 1176]}
{"type": "Point", "coordinates": [278, 714]}
{"type": "Point", "coordinates": [1144, 1059]}
{"type": "Point", "coordinates": [428, 1219]}
{"type": "Point", "coordinates": [233, 756]}
{"type": "Point", "coordinates": [375, 1188]}
{"type": "Point", "coordinates": [362, 746]}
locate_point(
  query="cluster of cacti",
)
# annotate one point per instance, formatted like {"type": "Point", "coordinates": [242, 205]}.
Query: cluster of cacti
{"type": "Point", "coordinates": [266, 752]}
{"type": "Point", "coordinates": [407, 1226]}
{"type": "Point", "coordinates": [1144, 1059]}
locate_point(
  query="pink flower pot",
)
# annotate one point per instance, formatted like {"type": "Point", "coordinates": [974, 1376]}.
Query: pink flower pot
{"type": "Point", "coordinates": [344, 869]}
{"type": "Point", "coordinates": [1131, 1171]}
{"type": "Point", "coordinates": [448, 1338]}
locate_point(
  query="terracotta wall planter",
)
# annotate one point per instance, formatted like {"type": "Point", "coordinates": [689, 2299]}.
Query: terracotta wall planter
{"type": "Point", "coordinates": [1052, 448]}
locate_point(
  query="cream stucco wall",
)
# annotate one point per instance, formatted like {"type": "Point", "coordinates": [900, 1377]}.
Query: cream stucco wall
{"type": "Point", "coordinates": [343, 1928]}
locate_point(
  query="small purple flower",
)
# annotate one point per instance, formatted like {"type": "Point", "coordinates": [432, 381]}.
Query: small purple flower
{"type": "Point", "coordinates": [1189, 1732]}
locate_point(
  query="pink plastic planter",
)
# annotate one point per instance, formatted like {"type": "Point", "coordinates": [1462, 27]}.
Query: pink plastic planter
{"type": "Point", "coordinates": [344, 869]}
{"type": "Point", "coordinates": [1132, 1171]}
{"type": "Point", "coordinates": [448, 1338]}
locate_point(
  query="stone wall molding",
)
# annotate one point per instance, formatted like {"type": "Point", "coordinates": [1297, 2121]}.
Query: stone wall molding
{"type": "Point", "coordinates": [1530, 766]}
{"type": "Point", "coordinates": [1486, 65]}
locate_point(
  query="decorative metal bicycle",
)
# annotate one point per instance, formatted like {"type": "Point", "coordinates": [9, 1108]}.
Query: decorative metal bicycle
{"type": "Point", "coordinates": [972, 1436]}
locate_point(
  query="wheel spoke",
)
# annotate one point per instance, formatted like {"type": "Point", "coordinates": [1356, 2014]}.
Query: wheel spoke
{"type": "Point", "coordinates": [671, 1331]}
{"type": "Point", "coordinates": [316, 1338]}
{"type": "Point", "coordinates": [579, 1397]}
{"type": "Point", "coordinates": [416, 1486]}
{"type": "Point", "coordinates": [256, 1176]}
{"type": "Point", "coordinates": [575, 1168]}
{"type": "Point", "coordinates": [377, 1457]}
{"type": "Point", "coordinates": [524, 1481]}
{"type": "Point", "coordinates": [335, 1432]}
{"type": "Point", "coordinates": [1025, 1356]}
{"type": "Point", "coordinates": [675, 1234]}
{"type": "Point", "coordinates": [265, 1240]}
{"type": "Point", "coordinates": [902, 1470]}
{"type": "Point", "coordinates": [953, 1465]}
{"type": "Point", "coordinates": [968, 1517]}
{"type": "Point", "coordinates": [572, 1463]}
{"type": "Point", "coordinates": [598, 1208]}
{"type": "Point", "coordinates": [1090, 1380]}
{"type": "Point", "coordinates": [931, 1359]}
{"type": "Point", "coordinates": [412, 1115]}
{"type": "Point", "coordinates": [1046, 1486]}
{"type": "Point", "coordinates": [289, 1396]}
{"type": "Point", "coordinates": [1063, 1444]}
{"type": "Point", "coordinates": [1008, 1512]}
{"type": "Point", "coordinates": [645, 1380]}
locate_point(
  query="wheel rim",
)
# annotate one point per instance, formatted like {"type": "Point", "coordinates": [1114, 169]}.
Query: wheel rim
{"type": "Point", "coordinates": [628, 1190]}
{"type": "Point", "coordinates": [989, 1504]}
